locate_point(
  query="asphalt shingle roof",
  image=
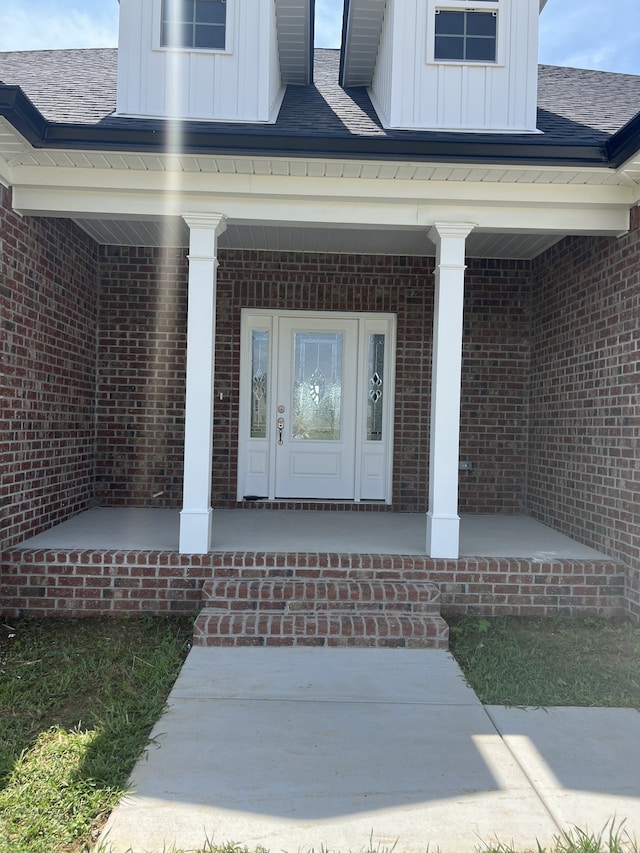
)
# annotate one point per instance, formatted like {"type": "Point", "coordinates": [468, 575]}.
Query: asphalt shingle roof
{"type": "Point", "coordinates": [79, 87]}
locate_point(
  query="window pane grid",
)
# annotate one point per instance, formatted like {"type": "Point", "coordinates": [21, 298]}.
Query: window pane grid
{"type": "Point", "coordinates": [194, 23]}
{"type": "Point", "coordinates": [465, 36]}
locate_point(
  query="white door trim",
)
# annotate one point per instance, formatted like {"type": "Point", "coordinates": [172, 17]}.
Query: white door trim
{"type": "Point", "coordinates": [373, 466]}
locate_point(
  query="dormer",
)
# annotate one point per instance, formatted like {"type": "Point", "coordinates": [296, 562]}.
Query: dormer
{"type": "Point", "coordinates": [212, 60]}
{"type": "Point", "coordinates": [445, 65]}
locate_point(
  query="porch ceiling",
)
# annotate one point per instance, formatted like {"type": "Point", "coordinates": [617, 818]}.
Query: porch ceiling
{"type": "Point", "coordinates": [173, 232]}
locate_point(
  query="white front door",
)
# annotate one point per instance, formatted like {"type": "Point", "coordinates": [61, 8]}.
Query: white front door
{"type": "Point", "coordinates": [316, 406]}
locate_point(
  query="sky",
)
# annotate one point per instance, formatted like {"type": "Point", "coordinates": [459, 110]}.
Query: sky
{"type": "Point", "coordinates": [580, 33]}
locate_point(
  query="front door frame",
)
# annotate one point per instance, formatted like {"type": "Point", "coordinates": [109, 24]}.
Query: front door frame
{"type": "Point", "coordinates": [256, 456]}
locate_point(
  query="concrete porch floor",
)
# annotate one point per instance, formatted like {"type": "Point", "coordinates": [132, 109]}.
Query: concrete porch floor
{"type": "Point", "coordinates": [140, 529]}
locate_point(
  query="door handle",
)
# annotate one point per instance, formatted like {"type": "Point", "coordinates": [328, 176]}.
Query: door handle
{"type": "Point", "coordinates": [280, 429]}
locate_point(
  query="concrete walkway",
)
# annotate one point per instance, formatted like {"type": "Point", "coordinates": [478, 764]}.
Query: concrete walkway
{"type": "Point", "coordinates": [295, 748]}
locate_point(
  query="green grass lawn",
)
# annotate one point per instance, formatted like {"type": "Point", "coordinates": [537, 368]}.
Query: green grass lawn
{"type": "Point", "coordinates": [553, 661]}
{"type": "Point", "coordinates": [78, 699]}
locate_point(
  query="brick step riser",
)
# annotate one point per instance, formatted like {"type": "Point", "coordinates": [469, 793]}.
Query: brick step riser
{"type": "Point", "coordinates": [262, 605]}
{"type": "Point", "coordinates": [331, 628]}
{"type": "Point", "coordinates": [339, 590]}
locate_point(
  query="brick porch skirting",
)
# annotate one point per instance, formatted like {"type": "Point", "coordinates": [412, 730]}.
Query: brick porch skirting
{"type": "Point", "coordinates": [99, 583]}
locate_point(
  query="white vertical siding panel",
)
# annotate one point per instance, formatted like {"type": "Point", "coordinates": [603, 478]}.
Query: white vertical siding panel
{"type": "Point", "coordinates": [452, 106]}
{"type": "Point", "coordinates": [477, 105]}
{"type": "Point", "coordinates": [381, 85]}
{"type": "Point", "coordinates": [275, 81]}
{"type": "Point", "coordinates": [157, 69]}
{"type": "Point", "coordinates": [526, 94]}
{"type": "Point", "coordinates": [151, 69]}
{"type": "Point", "coordinates": [421, 81]}
{"type": "Point", "coordinates": [253, 90]}
{"type": "Point", "coordinates": [248, 67]}
{"type": "Point", "coordinates": [499, 90]}
{"type": "Point", "coordinates": [127, 71]}
{"type": "Point", "coordinates": [404, 48]}
{"type": "Point", "coordinates": [201, 74]}
{"type": "Point", "coordinates": [228, 83]}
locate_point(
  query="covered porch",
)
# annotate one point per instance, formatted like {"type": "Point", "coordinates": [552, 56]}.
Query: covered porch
{"type": "Point", "coordinates": [454, 273]}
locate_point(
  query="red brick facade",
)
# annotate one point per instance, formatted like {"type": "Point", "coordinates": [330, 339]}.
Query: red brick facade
{"type": "Point", "coordinates": [141, 377]}
{"type": "Point", "coordinates": [49, 298]}
{"type": "Point", "coordinates": [584, 444]}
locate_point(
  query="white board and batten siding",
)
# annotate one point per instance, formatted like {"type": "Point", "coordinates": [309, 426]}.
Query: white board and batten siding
{"type": "Point", "coordinates": [411, 90]}
{"type": "Point", "coordinates": [240, 83]}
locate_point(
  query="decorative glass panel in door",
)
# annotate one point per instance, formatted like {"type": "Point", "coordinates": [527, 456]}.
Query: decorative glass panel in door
{"type": "Point", "coordinates": [259, 385]}
{"type": "Point", "coordinates": [375, 390]}
{"type": "Point", "coordinates": [317, 389]}
{"type": "Point", "coordinates": [316, 407]}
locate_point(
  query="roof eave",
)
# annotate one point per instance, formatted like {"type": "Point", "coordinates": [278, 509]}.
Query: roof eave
{"type": "Point", "coordinates": [625, 143]}
{"type": "Point", "coordinates": [198, 139]}
{"type": "Point", "coordinates": [437, 147]}
{"type": "Point", "coordinates": [16, 107]}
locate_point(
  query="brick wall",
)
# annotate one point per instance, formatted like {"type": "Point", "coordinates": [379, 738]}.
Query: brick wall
{"type": "Point", "coordinates": [495, 379]}
{"type": "Point", "coordinates": [48, 276]}
{"type": "Point", "coordinates": [585, 411]}
{"type": "Point", "coordinates": [142, 344]}
{"type": "Point", "coordinates": [141, 376]}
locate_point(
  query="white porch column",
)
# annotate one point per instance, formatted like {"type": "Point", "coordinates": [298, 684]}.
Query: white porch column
{"type": "Point", "coordinates": [443, 521]}
{"type": "Point", "coordinates": [196, 515]}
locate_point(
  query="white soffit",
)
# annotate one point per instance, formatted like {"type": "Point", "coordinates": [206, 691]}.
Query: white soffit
{"type": "Point", "coordinates": [173, 233]}
{"type": "Point", "coordinates": [363, 26]}
{"type": "Point", "coordinates": [294, 22]}
{"type": "Point", "coordinates": [170, 167]}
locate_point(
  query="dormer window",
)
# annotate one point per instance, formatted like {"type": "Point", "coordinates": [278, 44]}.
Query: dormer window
{"type": "Point", "coordinates": [465, 36]}
{"type": "Point", "coordinates": [464, 31]}
{"type": "Point", "coordinates": [195, 24]}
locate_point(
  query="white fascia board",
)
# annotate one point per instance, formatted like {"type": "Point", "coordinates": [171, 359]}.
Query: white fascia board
{"type": "Point", "coordinates": [169, 188]}
{"type": "Point", "coordinates": [570, 216]}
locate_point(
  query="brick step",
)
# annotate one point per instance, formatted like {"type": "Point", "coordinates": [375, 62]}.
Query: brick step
{"type": "Point", "coordinates": [293, 595]}
{"type": "Point", "coordinates": [327, 628]}
{"type": "Point", "coordinates": [290, 611]}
